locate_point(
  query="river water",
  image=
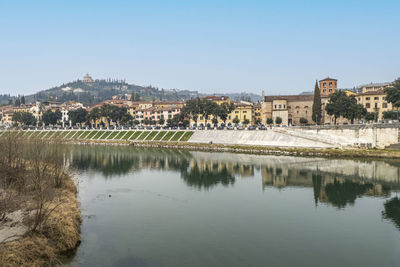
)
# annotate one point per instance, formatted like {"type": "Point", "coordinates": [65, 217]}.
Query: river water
{"type": "Point", "coordinates": [155, 207]}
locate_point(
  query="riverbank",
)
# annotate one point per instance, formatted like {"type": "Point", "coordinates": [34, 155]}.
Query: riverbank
{"type": "Point", "coordinates": [261, 150]}
{"type": "Point", "coordinates": [59, 235]}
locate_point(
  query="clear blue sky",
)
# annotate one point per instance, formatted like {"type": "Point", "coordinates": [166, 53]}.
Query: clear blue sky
{"type": "Point", "coordinates": [206, 45]}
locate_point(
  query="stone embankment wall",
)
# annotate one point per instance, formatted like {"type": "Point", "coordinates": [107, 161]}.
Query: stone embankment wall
{"type": "Point", "coordinates": [371, 136]}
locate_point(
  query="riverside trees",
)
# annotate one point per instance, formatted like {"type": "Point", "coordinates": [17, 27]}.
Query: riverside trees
{"type": "Point", "coordinates": [205, 108]}
{"type": "Point", "coordinates": [24, 118]}
{"type": "Point", "coordinates": [342, 105]}
{"type": "Point", "coordinates": [316, 109]}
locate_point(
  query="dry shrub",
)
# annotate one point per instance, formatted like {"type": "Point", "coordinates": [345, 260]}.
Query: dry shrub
{"type": "Point", "coordinates": [37, 169]}
{"type": "Point", "coordinates": [29, 251]}
{"type": "Point", "coordinates": [60, 234]}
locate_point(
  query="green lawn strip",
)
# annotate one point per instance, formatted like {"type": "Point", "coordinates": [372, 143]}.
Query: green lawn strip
{"type": "Point", "coordinates": [70, 134]}
{"type": "Point", "coordinates": [177, 136]}
{"type": "Point", "coordinates": [56, 134]}
{"type": "Point", "coordinates": [64, 134]}
{"type": "Point", "coordinates": [106, 134]}
{"type": "Point", "coordinates": [84, 135]}
{"type": "Point", "coordinates": [97, 136]}
{"type": "Point", "coordinates": [92, 133]}
{"type": "Point", "coordinates": [50, 134]}
{"type": "Point", "coordinates": [78, 133]}
{"type": "Point", "coordinates": [119, 136]}
{"type": "Point", "coordinates": [19, 133]}
{"type": "Point", "coordinates": [33, 134]}
{"type": "Point", "coordinates": [28, 134]}
{"type": "Point", "coordinates": [41, 134]}
{"type": "Point", "coordinates": [151, 135]}
{"type": "Point", "coordinates": [128, 135]}
{"type": "Point", "coordinates": [159, 136]}
{"type": "Point", "coordinates": [143, 135]}
{"type": "Point", "coordinates": [113, 134]}
{"type": "Point", "coordinates": [135, 135]}
{"type": "Point", "coordinates": [186, 136]}
{"type": "Point", "coordinates": [168, 135]}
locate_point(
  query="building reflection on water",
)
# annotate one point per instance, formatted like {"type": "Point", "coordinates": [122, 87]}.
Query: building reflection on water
{"type": "Point", "coordinates": [335, 182]}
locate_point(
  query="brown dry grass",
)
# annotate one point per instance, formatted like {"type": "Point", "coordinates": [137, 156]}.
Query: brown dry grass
{"type": "Point", "coordinates": [60, 234]}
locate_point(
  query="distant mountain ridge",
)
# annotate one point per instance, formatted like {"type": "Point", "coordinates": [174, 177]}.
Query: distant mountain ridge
{"type": "Point", "coordinates": [91, 92]}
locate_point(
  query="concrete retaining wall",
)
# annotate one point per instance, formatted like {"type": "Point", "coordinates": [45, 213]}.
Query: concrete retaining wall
{"type": "Point", "coordinates": [324, 137]}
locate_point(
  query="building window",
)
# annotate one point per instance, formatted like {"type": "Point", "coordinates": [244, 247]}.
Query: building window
{"type": "Point", "coordinates": [324, 90]}
{"type": "Point", "coordinates": [280, 106]}
{"type": "Point", "coordinates": [384, 105]}
{"type": "Point", "coordinates": [275, 106]}
{"type": "Point", "coordinates": [330, 83]}
{"type": "Point", "coordinates": [367, 98]}
{"type": "Point", "coordinates": [244, 111]}
{"type": "Point", "coordinates": [284, 106]}
{"type": "Point", "coordinates": [330, 90]}
{"type": "Point", "coordinates": [376, 105]}
{"type": "Point", "coordinates": [376, 98]}
{"type": "Point", "coordinates": [367, 105]}
{"type": "Point", "coordinates": [324, 84]}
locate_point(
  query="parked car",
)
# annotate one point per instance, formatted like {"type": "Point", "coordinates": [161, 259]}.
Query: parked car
{"type": "Point", "coordinates": [262, 127]}
{"type": "Point", "coordinates": [230, 127]}
{"type": "Point", "coordinates": [220, 127]}
{"type": "Point", "coordinates": [251, 128]}
{"type": "Point", "coordinates": [240, 128]}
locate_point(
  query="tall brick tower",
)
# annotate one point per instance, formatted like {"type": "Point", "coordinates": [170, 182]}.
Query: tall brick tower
{"type": "Point", "coordinates": [327, 86]}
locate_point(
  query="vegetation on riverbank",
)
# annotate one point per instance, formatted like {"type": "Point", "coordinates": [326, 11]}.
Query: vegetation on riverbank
{"type": "Point", "coordinates": [39, 214]}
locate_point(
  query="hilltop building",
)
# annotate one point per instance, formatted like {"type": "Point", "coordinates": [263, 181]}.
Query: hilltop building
{"type": "Point", "coordinates": [87, 78]}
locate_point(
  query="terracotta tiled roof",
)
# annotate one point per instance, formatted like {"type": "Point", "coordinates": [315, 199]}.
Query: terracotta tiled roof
{"type": "Point", "coordinates": [289, 98]}
{"type": "Point", "coordinates": [327, 79]}
{"type": "Point", "coordinates": [377, 92]}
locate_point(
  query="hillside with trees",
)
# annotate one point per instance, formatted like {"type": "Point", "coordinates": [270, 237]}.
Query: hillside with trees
{"type": "Point", "coordinates": [94, 92]}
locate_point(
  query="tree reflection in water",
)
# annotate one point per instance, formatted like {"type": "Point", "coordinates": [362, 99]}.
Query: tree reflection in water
{"type": "Point", "coordinates": [342, 193]}
{"type": "Point", "coordinates": [392, 211]}
{"type": "Point", "coordinates": [204, 172]}
{"type": "Point", "coordinates": [206, 177]}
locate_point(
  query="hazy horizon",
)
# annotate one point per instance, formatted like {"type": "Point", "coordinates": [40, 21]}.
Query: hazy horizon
{"type": "Point", "coordinates": [205, 46]}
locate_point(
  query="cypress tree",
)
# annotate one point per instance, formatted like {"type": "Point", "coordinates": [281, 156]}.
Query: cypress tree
{"type": "Point", "coordinates": [316, 109]}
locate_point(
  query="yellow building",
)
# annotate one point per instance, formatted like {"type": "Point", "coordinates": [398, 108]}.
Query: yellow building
{"type": "Point", "coordinates": [242, 111]}
{"type": "Point", "coordinates": [375, 101]}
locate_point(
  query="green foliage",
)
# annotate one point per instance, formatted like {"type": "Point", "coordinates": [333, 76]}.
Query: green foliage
{"type": "Point", "coordinates": [303, 121]}
{"type": "Point", "coordinates": [79, 115]}
{"type": "Point", "coordinates": [391, 115]}
{"type": "Point", "coordinates": [161, 121]}
{"type": "Point", "coordinates": [317, 106]}
{"type": "Point", "coordinates": [371, 116]}
{"type": "Point", "coordinates": [50, 117]}
{"type": "Point", "coordinates": [24, 118]}
{"type": "Point", "coordinates": [393, 94]}
{"type": "Point", "coordinates": [236, 121]}
{"type": "Point", "coordinates": [246, 121]}
{"type": "Point", "coordinates": [278, 120]}
{"type": "Point", "coordinates": [270, 121]}
{"type": "Point", "coordinates": [341, 105]}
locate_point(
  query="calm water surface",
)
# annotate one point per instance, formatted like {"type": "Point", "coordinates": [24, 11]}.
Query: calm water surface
{"type": "Point", "coordinates": [145, 207]}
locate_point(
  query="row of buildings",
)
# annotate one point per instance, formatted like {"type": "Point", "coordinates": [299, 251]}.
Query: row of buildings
{"type": "Point", "coordinates": [292, 109]}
